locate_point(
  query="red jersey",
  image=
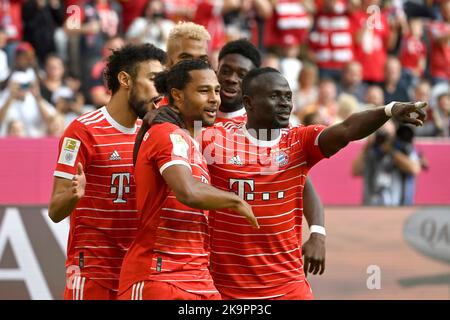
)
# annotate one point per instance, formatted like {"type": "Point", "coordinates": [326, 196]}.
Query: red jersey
{"type": "Point", "coordinates": [371, 52]}
{"type": "Point", "coordinates": [270, 175]}
{"type": "Point", "coordinates": [412, 51]}
{"type": "Point", "coordinates": [288, 25]}
{"type": "Point", "coordinates": [238, 116]}
{"type": "Point", "coordinates": [172, 243]}
{"type": "Point", "coordinates": [440, 54]}
{"type": "Point", "coordinates": [332, 40]}
{"type": "Point", "coordinates": [104, 221]}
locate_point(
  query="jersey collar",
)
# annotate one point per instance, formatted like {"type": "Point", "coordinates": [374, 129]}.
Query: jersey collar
{"type": "Point", "coordinates": [261, 143]}
{"type": "Point", "coordinates": [117, 125]}
{"type": "Point", "coordinates": [231, 115]}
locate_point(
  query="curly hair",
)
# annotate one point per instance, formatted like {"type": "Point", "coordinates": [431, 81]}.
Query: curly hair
{"type": "Point", "coordinates": [244, 48]}
{"type": "Point", "coordinates": [127, 59]}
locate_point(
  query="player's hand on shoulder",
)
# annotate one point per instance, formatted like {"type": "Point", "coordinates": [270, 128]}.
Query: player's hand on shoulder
{"type": "Point", "coordinates": [78, 182]}
{"type": "Point", "coordinates": [313, 252]}
{"type": "Point", "coordinates": [409, 112]}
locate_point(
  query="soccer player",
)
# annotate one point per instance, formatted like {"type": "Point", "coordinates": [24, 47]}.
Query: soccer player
{"type": "Point", "coordinates": [169, 258]}
{"type": "Point", "coordinates": [186, 40]}
{"type": "Point", "coordinates": [236, 59]}
{"type": "Point", "coordinates": [266, 163]}
{"type": "Point", "coordinates": [94, 181]}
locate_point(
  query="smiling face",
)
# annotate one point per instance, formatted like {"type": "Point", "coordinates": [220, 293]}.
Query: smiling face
{"type": "Point", "coordinates": [232, 69]}
{"type": "Point", "coordinates": [143, 91]}
{"type": "Point", "coordinates": [200, 98]}
{"type": "Point", "coordinates": [269, 103]}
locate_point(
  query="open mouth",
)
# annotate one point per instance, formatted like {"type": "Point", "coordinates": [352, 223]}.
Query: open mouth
{"type": "Point", "coordinates": [211, 112]}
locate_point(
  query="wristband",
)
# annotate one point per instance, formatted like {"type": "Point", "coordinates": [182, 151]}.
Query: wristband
{"type": "Point", "coordinates": [388, 108]}
{"type": "Point", "coordinates": [317, 229]}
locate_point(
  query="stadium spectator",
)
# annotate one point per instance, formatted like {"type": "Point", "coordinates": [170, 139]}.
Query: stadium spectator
{"type": "Point", "coordinates": [11, 22]}
{"type": "Point", "coordinates": [246, 19]}
{"type": "Point", "coordinates": [412, 54]}
{"type": "Point", "coordinates": [374, 97]}
{"type": "Point", "coordinates": [326, 103]}
{"type": "Point", "coordinates": [4, 66]}
{"type": "Point", "coordinates": [15, 129]}
{"type": "Point", "coordinates": [99, 94]}
{"type": "Point", "coordinates": [132, 10]}
{"type": "Point", "coordinates": [272, 60]}
{"type": "Point", "coordinates": [208, 14]}
{"type": "Point", "coordinates": [307, 91]}
{"type": "Point", "coordinates": [347, 104]}
{"type": "Point", "coordinates": [313, 118]}
{"type": "Point", "coordinates": [288, 25]}
{"type": "Point", "coordinates": [432, 126]}
{"type": "Point", "coordinates": [153, 27]}
{"type": "Point", "coordinates": [56, 125]}
{"type": "Point", "coordinates": [22, 101]}
{"type": "Point", "coordinates": [351, 81]}
{"type": "Point", "coordinates": [372, 36]}
{"type": "Point", "coordinates": [180, 10]}
{"type": "Point", "coordinates": [69, 105]}
{"type": "Point", "coordinates": [100, 21]}
{"type": "Point", "coordinates": [54, 75]}
{"type": "Point", "coordinates": [392, 88]}
{"type": "Point", "coordinates": [169, 258]}
{"type": "Point", "coordinates": [331, 41]}
{"type": "Point", "coordinates": [442, 113]}
{"type": "Point", "coordinates": [440, 46]}
{"type": "Point", "coordinates": [94, 182]}
{"type": "Point", "coordinates": [41, 18]}
{"type": "Point", "coordinates": [389, 164]}
{"type": "Point", "coordinates": [290, 65]}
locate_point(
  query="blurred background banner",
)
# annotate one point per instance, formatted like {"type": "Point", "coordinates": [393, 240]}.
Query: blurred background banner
{"type": "Point", "coordinates": [372, 253]}
{"type": "Point", "coordinates": [27, 165]}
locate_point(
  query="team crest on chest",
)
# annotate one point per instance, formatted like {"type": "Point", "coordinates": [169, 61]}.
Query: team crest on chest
{"type": "Point", "coordinates": [280, 158]}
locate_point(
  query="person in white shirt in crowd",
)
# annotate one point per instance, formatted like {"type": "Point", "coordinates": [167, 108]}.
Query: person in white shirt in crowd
{"type": "Point", "coordinates": [153, 27]}
{"type": "Point", "coordinates": [69, 105]}
{"type": "Point", "coordinates": [22, 101]}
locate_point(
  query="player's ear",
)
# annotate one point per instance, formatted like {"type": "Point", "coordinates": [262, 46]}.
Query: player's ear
{"type": "Point", "coordinates": [177, 96]}
{"type": "Point", "coordinates": [124, 79]}
{"type": "Point", "coordinates": [247, 101]}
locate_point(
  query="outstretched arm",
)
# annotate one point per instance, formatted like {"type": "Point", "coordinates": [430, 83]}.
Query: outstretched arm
{"type": "Point", "coordinates": [362, 124]}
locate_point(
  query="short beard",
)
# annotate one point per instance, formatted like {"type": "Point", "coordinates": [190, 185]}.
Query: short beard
{"type": "Point", "coordinates": [138, 106]}
{"type": "Point", "coordinates": [231, 106]}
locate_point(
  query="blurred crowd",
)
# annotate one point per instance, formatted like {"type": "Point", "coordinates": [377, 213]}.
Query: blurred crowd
{"type": "Point", "coordinates": [338, 56]}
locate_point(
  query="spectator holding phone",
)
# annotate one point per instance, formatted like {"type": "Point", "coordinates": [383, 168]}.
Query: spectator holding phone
{"type": "Point", "coordinates": [22, 101]}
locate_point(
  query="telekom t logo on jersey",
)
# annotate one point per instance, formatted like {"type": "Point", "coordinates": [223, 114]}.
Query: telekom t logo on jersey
{"type": "Point", "coordinates": [241, 187]}
{"type": "Point", "coordinates": [250, 194]}
{"type": "Point", "coordinates": [120, 184]}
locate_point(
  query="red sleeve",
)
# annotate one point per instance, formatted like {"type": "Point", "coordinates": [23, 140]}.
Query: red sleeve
{"type": "Point", "coordinates": [309, 137]}
{"type": "Point", "coordinates": [168, 145]}
{"type": "Point", "coordinates": [74, 147]}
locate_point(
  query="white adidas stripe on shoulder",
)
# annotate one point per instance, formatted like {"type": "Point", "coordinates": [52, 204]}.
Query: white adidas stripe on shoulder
{"type": "Point", "coordinates": [88, 114]}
